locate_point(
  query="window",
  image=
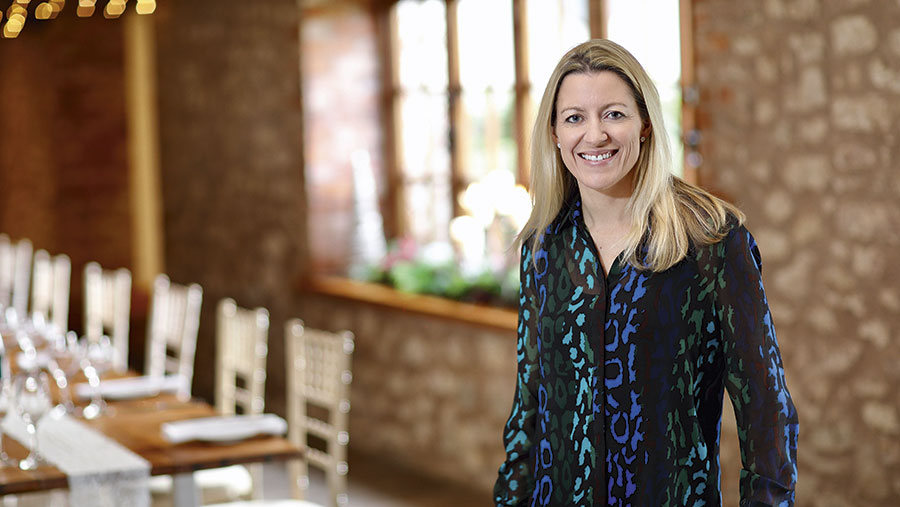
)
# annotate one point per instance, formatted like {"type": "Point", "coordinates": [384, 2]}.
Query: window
{"type": "Point", "coordinates": [466, 79]}
{"type": "Point", "coordinates": [423, 126]}
{"type": "Point", "coordinates": [461, 81]}
{"type": "Point", "coordinates": [650, 30]}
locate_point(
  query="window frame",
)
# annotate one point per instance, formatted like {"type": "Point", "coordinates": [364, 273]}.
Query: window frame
{"type": "Point", "coordinates": [393, 212]}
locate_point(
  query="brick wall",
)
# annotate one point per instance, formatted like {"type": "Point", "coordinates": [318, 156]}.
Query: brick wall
{"type": "Point", "coordinates": [342, 116]}
{"type": "Point", "coordinates": [232, 175]}
{"type": "Point", "coordinates": [63, 167]}
{"type": "Point", "coordinates": [799, 113]}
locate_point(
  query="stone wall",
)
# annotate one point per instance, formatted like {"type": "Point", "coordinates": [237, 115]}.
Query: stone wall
{"type": "Point", "coordinates": [429, 393]}
{"type": "Point", "coordinates": [232, 174]}
{"type": "Point", "coordinates": [799, 113]}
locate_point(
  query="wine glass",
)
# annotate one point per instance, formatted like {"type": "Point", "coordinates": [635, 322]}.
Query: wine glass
{"type": "Point", "coordinates": [5, 397]}
{"type": "Point", "coordinates": [11, 318]}
{"type": "Point", "coordinates": [4, 326]}
{"type": "Point", "coordinates": [65, 361]}
{"type": "Point", "coordinates": [100, 354]}
{"type": "Point", "coordinates": [96, 360]}
{"type": "Point", "coordinates": [32, 392]}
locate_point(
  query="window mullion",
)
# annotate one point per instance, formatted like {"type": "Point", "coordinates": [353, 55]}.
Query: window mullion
{"type": "Point", "coordinates": [454, 92]}
{"type": "Point", "coordinates": [394, 217]}
{"type": "Point", "coordinates": [522, 89]}
{"type": "Point", "coordinates": [689, 96]}
{"type": "Point", "coordinates": [598, 19]}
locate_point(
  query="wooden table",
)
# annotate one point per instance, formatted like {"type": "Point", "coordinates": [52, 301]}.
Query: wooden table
{"type": "Point", "coordinates": [135, 424]}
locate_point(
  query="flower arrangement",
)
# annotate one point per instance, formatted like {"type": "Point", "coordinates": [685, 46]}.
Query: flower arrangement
{"type": "Point", "coordinates": [477, 264]}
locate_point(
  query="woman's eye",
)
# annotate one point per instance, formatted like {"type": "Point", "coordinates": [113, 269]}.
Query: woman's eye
{"type": "Point", "coordinates": [573, 118]}
{"type": "Point", "coordinates": [615, 115]}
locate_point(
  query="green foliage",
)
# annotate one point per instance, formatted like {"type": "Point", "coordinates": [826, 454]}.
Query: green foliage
{"type": "Point", "coordinates": [445, 280]}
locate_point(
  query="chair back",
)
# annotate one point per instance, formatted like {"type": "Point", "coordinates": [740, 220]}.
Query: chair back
{"type": "Point", "coordinates": [50, 289]}
{"type": "Point", "coordinates": [172, 330]}
{"type": "Point", "coordinates": [319, 377]}
{"type": "Point", "coordinates": [15, 274]}
{"type": "Point", "coordinates": [7, 271]}
{"type": "Point", "coordinates": [107, 309]}
{"type": "Point", "coordinates": [241, 349]}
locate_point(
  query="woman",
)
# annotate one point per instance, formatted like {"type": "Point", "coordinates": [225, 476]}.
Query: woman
{"type": "Point", "coordinates": [641, 300]}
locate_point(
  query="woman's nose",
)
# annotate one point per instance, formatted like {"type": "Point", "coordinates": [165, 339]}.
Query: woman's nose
{"type": "Point", "coordinates": [596, 132]}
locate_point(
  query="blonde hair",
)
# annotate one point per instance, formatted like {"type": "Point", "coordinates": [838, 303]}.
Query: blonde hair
{"type": "Point", "coordinates": [676, 212]}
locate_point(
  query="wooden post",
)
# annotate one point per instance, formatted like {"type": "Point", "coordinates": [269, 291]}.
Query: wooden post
{"type": "Point", "coordinates": [522, 91]}
{"type": "Point", "coordinates": [143, 149]}
{"type": "Point", "coordinates": [454, 96]}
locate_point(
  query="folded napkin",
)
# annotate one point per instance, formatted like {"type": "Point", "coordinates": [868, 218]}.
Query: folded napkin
{"type": "Point", "coordinates": [133, 387]}
{"type": "Point", "coordinates": [226, 428]}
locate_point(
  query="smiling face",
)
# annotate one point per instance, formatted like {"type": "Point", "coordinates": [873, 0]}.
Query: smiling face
{"type": "Point", "coordinates": [598, 127]}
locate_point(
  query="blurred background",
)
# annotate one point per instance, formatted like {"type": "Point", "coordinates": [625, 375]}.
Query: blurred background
{"type": "Point", "coordinates": [363, 165]}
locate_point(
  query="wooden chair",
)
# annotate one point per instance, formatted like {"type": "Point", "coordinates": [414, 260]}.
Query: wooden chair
{"type": "Point", "coordinates": [319, 376]}
{"type": "Point", "coordinates": [7, 271]}
{"type": "Point", "coordinates": [172, 330]}
{"type": "Point", "coordinates": [21, 278]}
{"type": "Point", "coordinates": [15, 275]}
{"type": "Point", "coordinates": [318, 393]}
{"type": "Point", "coordinates": [172, 342]}
{"type": "Point", "coordinates": [241, 350]}
{"type": "Point", "coordinates": [107, 309]}
{"type": "Point", "coordinates": [50, 289]}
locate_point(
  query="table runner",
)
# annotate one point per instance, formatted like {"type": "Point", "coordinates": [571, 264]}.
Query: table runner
{"type": "Point", "coordinates": [100, 471]}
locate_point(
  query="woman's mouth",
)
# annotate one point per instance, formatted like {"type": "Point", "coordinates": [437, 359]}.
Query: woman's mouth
{"type": "Point", "coordinates": [598, 157]}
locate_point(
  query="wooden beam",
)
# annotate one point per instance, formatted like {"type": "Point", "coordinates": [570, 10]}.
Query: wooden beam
{"type": "Point", "coordinates": [522, 91]}
{"type": "Point", "coordinates": [454, 97]}
{"type": "Point", "coordinates": [597, 18]}
{"type": "Point", "coordinates": [143, 150]}
{"type": "Point", "coordinates": [392, 208]}
{"type": "Point", "coordinates": [689, 93]}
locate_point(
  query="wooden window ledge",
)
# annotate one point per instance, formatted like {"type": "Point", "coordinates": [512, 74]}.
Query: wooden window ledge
{"type": "Point", "coordinates": [387, 297]}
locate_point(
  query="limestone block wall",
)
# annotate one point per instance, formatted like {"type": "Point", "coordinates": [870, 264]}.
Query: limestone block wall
{"type": "Point", "coordinates": [429, 393]}
{"type": "Point", "coordinates": [799, 110]}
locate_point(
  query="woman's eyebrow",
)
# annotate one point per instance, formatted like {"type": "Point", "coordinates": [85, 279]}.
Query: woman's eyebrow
{"type": "Point", "coordinates": [605, 106]}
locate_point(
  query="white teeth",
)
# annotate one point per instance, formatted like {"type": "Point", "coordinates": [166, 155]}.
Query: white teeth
{"type": "Point", "coordinates": [597, 158]}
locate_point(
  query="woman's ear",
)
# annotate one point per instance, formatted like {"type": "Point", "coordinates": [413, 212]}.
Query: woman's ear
{"type": "Point", "coordinates": [645, 132]}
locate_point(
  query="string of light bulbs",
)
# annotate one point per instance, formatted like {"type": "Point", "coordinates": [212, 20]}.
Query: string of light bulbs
{"type": "Point", "coordinates": [16, 15]}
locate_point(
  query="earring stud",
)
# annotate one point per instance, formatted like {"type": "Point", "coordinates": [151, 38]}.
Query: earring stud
{"type": "Point", "coordinates": [643, 138]}
{"type": "Point", "coordinates": [559, 146]}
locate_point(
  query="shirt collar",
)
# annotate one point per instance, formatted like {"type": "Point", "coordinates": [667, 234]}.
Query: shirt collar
{"type": "Point", "coordinates": [570, 212]}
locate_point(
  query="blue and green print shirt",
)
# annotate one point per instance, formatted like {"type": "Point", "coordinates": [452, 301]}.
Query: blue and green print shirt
{"type": "Point", "coordinates": [621, 378]}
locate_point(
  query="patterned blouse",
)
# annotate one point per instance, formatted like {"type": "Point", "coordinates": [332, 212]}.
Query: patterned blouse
{"type": "Point", "coordinates": [620, 380]}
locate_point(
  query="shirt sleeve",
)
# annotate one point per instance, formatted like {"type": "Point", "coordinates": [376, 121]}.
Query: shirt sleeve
{"type": "Point", "coordinates": [766, 417]}
{"type": "Point", "coordinates": [515, 482]}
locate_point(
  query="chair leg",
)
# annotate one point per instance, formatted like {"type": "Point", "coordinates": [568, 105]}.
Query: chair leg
{"type": "Point", "coordinates": [276, 481]}
{"type": "Point", "coordinates": [184, 490]}
{"type": "Point", "coordinates": [257, 479]}
{"type": "Point", "coordinates": [337, 487]}
{"type": "Point", "coordinates": [299, 474]}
